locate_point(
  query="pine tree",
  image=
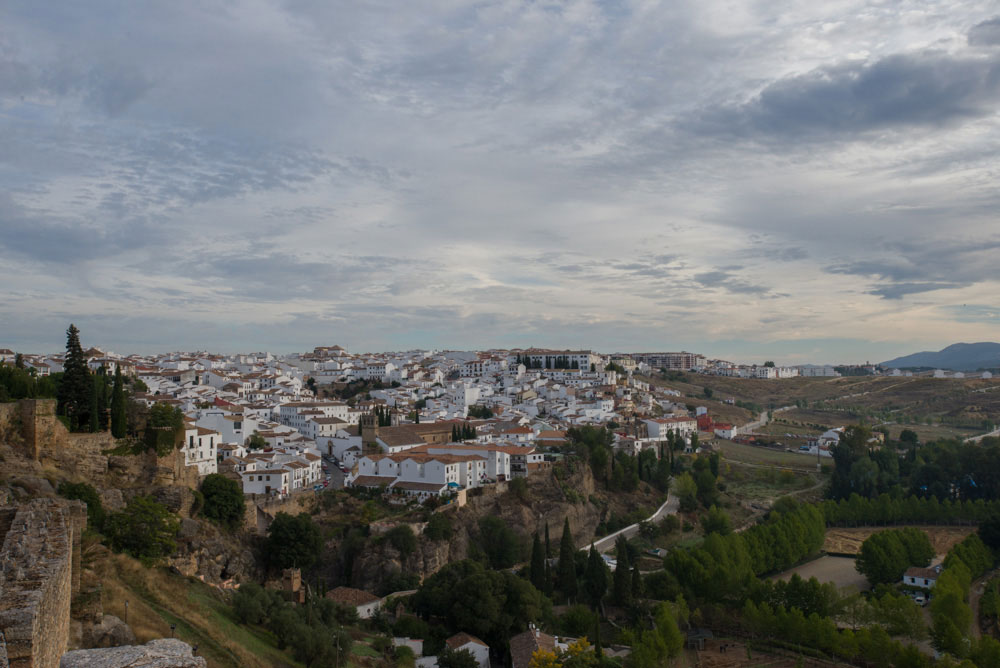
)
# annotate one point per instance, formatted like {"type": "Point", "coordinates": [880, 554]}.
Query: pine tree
{"type": "Point", "coordinates": [622, 579]}
{"type": "Point", "coordinates": [537, 564]}
{"type": "Point", "coordinates": [75, 388]}
{"type": "Point", "coordinates": [118, 414]}
{"type": "Point", "coordinates": [567, 566]}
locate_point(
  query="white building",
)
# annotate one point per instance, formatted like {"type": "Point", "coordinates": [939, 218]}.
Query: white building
{"type": "Point", "coordinates": [200, 449]}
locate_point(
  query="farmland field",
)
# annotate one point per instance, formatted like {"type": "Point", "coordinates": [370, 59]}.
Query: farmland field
{"type": "Point", "coordinates": [848, 540]}
{"type": "Point", "coordinates": [762, 456]}
{"type": "Point", "coordinates": [838, 570]}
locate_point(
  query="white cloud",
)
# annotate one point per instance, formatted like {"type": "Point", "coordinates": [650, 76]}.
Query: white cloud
{"type": "Point", "coordinates": [630, 175]}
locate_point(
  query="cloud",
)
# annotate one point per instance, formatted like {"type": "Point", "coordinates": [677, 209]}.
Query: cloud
{"type": "Point", "coordinates": [925, 89]}
{"type": "Point", "coordinates": [270, 173]}
{"type": "Point", "coordinates": [909, 267]}
{"type": "Point", "coordinates": [986, 33]}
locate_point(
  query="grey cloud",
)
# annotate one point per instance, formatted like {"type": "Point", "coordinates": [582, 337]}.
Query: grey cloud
{"type": "Point", "coordinates": [986, 33]}
{"type": "Point", "coordinates": [900, 290]}
{"type": "Point", "coordinates": [723, 278]}
{"type": "Point", "coordinates": [903, 90]}
{"type": "Point", "coordinates": [911, 267]}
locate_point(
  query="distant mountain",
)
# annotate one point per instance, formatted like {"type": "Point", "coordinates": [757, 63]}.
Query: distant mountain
{"type": "Point", "coordinates": [958, 357]}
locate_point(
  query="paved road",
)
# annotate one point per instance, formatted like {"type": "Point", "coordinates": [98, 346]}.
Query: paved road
{"type": "Point", "coordinates": [607, 543]}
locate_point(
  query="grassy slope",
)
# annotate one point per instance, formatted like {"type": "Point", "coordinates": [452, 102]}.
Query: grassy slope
{"type": "Point", "coordinates": [158, 598]}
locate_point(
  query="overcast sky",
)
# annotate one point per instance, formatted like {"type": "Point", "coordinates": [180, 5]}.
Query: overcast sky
{"type": "Point", "coordinates": [793, 180]}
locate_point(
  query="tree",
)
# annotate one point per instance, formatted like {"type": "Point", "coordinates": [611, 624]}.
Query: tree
{"type": "Point", "coordinates": [622, 580]}
{"type": "Point", "coordinates": [76, 387]}
{"type": "Point", "coordinates": [909, 437]}
{"type": "Point", "coordinates": [596, 577]}
{"type": "Point", "coordinates": [716, 521]}
{"type": "Point", "coordinates": [145, 529]}
{"type": "Point", "coordinates": [256, 442]}
{"type": "Point", "coordinates": [460, 658]}
{"type": "Point", "coordinates": [502, 545]}
{"type": "Point", "coordinates": [687, 492]}
{"type": "Point", "coordinates": [886, 555]}
{"type": "Point", "coordinates": [83, 492]}
{"type": "Point", "coordinates": [438, 527]}
{"type": "Point", "coordinates": [401, 537]}
{"type": "Point", "coordinates": [708, 392]}
{"type": "Point", "coordinates": [769, 364]}
{"type": "Point", "coordinates": [118, 415]}
{"type": "Point", "coordinates": [567, 566]}
{"type": "Point", "coordinates": [548, 545]}
{"type": "Point", "coordinates": [537, 572]}
{"type": "Point", "coordinates": [293, 541]}
{"type": "Point", "coordinates": [223, 500]}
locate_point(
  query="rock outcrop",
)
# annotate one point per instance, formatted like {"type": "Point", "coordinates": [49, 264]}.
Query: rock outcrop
{"type": "Point", "coordinates": [544, 502]}
{"type": "Point", "coordinates": [162, 653]}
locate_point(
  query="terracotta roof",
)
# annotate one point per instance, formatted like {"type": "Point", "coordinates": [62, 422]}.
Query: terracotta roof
{"type": "Point", "coordinates": [419, 486]}
{"type": "Point", "coordinates": [926, 573]}
{"type": "Point", "coordinates": [372, 480]}
{"type": "Point", "coordinates": [524, 645]}
{"type": "Point", "coordinates": [462, 639]}
{"type": "Point", "coordinates": [350, 596]}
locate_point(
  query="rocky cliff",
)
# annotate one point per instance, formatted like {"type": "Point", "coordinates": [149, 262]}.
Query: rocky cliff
{"type": "Point", "coordinates": [544, 501]}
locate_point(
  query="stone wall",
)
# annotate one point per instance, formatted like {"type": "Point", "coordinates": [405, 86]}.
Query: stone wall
{"type": "Point", "coordinates": [39, 573]}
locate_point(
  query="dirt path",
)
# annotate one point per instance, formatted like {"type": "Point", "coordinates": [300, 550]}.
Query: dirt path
{"type": "Point", "coordinates": [975, 593]}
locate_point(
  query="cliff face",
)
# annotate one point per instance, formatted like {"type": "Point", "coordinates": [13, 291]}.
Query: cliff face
{"type": "Point", "coordinates": [545, 501]}
{"type": "Point", "coordinates": [206, 552]}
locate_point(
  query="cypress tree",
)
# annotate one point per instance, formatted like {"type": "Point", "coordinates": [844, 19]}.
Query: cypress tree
{"type": "Point", "coordinates": [596, 577]}
{"type": "Point", "coordinates": [636, 584]}
{"type": "Point", "coordinates": [75, 388]}
{"type": "Point", "coordinates": [548, 579]}
{"type": "Point", "coordinates": [567, 567]}
{"type": "Point", "coordinates": [93, 407]}
{"type": "Point", "coordinates": [537, 564]}
{"type": "Point", "coordinates": [118, 415]}
{"type": "Point", "coordinates": [548, 545]}
{"type": "Point", "coordinates": [622, 580]}
{"type": "Point", "coordinates": [102, 400]}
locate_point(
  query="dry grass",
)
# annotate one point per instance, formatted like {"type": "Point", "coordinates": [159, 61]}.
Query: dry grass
{"type": "Point", "coordinates": [762, 456]}
{"type": "Point", "coordinates": [158, 598]}
{"type": "Point", "coordinates": [848, 540]}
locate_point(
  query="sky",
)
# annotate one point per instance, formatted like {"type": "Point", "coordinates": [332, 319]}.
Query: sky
{"type": "Point", "coordinates": [777, 179]}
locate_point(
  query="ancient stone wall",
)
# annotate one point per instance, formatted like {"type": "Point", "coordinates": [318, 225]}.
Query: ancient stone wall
{"type": "Point", "coordinates": [37, 581]}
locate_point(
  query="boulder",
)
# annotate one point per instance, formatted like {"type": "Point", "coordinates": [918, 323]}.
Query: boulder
{"type": "Point", "coordinates": [111, 632]}
{"type": "Point", "coordinates": [162, 653]}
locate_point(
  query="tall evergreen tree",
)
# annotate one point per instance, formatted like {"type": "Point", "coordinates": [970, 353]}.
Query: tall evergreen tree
{"type": "Point", "coordinates": [596, 577]}
{"type": "Point", "coordinates": [567, 566]}
{"type": "Point", "coordinates": [548, 545]}
{"type": "Point", "coordinates": [537, 564]}
{"type": "Point", "coordinates": [118, 414]}
{"type": "Point", "coordinates": [636, 584]}
{"type": "Point", "coordinates": [75, 388]}
{"type": "Point", "coordinates": [622, 584]}
{"type": "Point", "coordinates": [94, 405]}
{"type": "Point", "coordinates": [102, 400]}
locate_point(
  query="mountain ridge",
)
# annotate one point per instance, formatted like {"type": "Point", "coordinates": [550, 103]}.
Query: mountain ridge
{"type": "Point", "coordinates": [956, 357]}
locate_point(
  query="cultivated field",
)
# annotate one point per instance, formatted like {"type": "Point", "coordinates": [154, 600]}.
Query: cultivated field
{"type": "Point", "coordinates": [762, 456]}
{"type": "Point", "coordinates": [848, 540]}
{"type": "Point", "coordinates": [838, 570]}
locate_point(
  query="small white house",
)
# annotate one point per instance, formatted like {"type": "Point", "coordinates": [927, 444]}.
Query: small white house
{"type": "Point", "coordinates": [366, 603]}
{"type": "Point", "coordinates": [475, 646]}
{"type": "Point", "coordinates": [921, 577]}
